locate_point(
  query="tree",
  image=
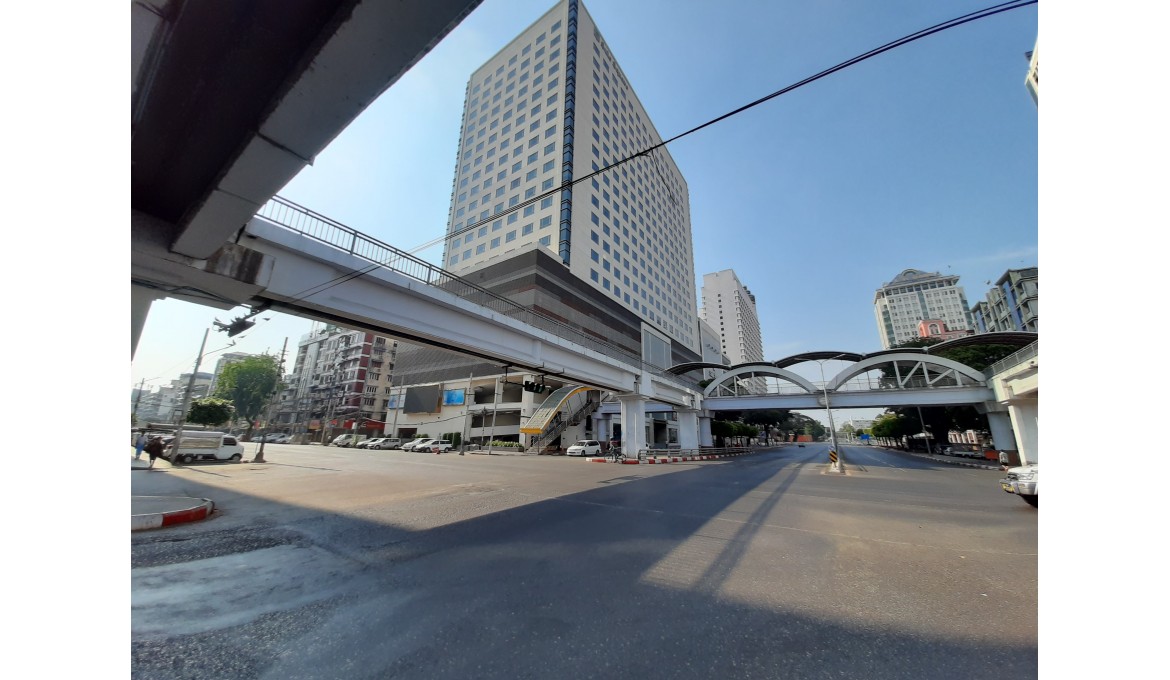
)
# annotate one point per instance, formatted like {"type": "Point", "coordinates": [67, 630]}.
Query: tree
{"type": "Point", "coordinates": [721, 429]}
{"type": "Point", "coordinates": [210, 411]}
{"type": "Point", "coordinates": [249, 384]}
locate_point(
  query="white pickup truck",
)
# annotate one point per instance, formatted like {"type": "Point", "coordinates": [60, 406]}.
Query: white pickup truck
{"type": "Point", "coordinates": [1024, 481]}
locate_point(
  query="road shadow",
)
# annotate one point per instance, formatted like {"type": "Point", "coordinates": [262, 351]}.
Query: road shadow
{"type": "Point", "coordinates": [636, 578]}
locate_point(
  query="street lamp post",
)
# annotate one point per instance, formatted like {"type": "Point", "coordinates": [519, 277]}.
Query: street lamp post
{"type": "Point", "coordinates": [839, 466]}
{"type": "Point", "coordinates": [925, 434]}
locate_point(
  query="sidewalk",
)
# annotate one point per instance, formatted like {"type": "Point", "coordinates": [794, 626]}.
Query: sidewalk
{"type": "Point", "coordinates": [978, 463]}
{"type": "Point", "coordinates": [153, 512]}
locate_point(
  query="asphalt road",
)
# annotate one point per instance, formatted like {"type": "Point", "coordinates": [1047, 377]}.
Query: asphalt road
{"type": "Point", "coordinates": [330, 563]}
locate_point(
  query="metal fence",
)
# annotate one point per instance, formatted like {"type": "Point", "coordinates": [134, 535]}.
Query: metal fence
{"type": "Point", "coordinates": [303, 221]}
{"type": "Point", "coordinates": [1012, 359]}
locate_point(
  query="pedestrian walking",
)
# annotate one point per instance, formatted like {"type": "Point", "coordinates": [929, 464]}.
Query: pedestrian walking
{"type": "Point", "coordinates": [155, 448]}
{"type": "Point", "coordinates": [139, 445]}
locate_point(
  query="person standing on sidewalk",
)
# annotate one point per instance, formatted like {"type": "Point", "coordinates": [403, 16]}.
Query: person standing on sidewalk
{"type": "Point", "coordinates": [155, 449]}
{"type": "Point", "coordinates": [139, 444]}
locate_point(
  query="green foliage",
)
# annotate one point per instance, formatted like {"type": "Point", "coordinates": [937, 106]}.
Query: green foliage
{"type": "Point", "coordinates": [979, 357]}
{"type": "Point", "coordinates": [917, 342]}
{"type": "Point", "coordinates": [814, 429]}
{"type": "Point", "coordinates": [743, 430]}
{"type": "Point", "coordinates": [249, 384]}
{"type": "Point", "coordinates": [506, 445]}
{"type": "Point", "coordinates": [210, 411]}
{"type": "Point", "coordinates": [456, 438]}
{"type": "Point", "coordinates": [895, 426]}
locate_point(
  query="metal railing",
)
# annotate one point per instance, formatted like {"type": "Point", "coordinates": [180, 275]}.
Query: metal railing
{"type": "Point", "coordinates": [643, 454]}
{"type": "Point", "coordinates": [305, 222]}
{"type": "Point", "coordinates": [1012, 359]}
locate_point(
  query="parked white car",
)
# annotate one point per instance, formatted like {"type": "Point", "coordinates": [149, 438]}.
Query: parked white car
{"type": "Point", "coordinates": [1024, 481]}
{"type": "Point", "coordinates": [369, 443]}
{"type": "Point", "coordinates": [585, 447]}
{"type": "Point", "coordinates": [387, 443]}
{"type": "Point", "coordinates": [418, 444]}
{"type": "Point", "coordinates": [347, 440]}
{"type": "Point", "coordinates": [438, 446]}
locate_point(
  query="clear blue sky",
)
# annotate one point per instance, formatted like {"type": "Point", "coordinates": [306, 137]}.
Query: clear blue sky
{"type": "Point", "coordinates": [924, 157]}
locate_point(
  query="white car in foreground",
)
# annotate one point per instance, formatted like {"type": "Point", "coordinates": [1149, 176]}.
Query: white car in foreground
{"type": "Point", "coordinates": [585, 447]}
{"type": "Point", "coordinates": [1024, 481]}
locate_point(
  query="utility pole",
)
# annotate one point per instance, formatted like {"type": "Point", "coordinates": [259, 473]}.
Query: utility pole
{"type": "Point", "coordinates": [137, 399]}
{"type": "Point", "coordinates": [397, 406]}
{"type": "Point", "coordinates": [187, 401]}
{"type": "Point", "coordinates": [268, 411]}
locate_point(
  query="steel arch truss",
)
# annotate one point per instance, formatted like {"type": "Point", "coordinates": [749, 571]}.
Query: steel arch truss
{"type": "Point", "coordinates": [911, 371]}
{"type": "Point", "coordinates": [727, 384]}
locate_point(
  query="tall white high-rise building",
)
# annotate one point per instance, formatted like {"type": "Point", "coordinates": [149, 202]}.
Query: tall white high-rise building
{"type": "Point", "coordinates": [534, 219]}
{"type": "Point", "coordinates": [553, 106]}
{"type": "Point", "coordinates": [913, 296]}
{"type": "Point", "coordinates": [730, 309]}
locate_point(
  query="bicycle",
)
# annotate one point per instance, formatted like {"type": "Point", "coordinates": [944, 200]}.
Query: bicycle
{"type": "Point", "coordinates": [615, 455]}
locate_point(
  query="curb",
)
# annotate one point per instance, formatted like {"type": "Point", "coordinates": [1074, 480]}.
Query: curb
{"type": "Point", "coordinates": [669, 459]}
{"type": "Point", "coordinates": [197, 509]}
{"type": "Point", "coordinates": [954, 462]}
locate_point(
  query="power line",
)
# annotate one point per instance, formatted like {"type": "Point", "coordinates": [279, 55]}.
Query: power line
{"type": "Point", "coordinates": [905, 40]}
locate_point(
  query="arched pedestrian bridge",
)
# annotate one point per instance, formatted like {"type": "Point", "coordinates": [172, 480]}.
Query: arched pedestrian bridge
{"type": "Point", "coordinates": [885, 379]}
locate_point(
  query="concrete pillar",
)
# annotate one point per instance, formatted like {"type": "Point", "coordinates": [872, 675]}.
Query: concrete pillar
{"type": "Point", "coordinates": [1001, 430]}
{"type": "Point", "coordinates": [705, 436]}
{"type": "Point", "coordinates": [688, 428]}
{"type": "Point", "coordinates": [604, 427]}
{"type": "Point", "coordinates": [1024, 418]}
{"type": "Point", "coordinates": [633, 424]}
{"type": "Point", "coordinates": [140, 301]}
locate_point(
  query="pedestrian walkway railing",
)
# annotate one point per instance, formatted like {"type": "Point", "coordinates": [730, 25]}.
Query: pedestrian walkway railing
{"type": "Point", "coordinates": [381, 255]}
{"type": "Point", "coordinates": [1012, 360]}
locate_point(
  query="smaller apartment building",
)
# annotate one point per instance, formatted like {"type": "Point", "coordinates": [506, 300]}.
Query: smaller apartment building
{"type": "Point", "coordinates": [1012, 305]}
{"type": "Point", "coordinates": [340, 382]}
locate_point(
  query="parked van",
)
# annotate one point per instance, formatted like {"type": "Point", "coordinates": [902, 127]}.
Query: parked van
{"type": "Point", "coordinates": [195, 446]}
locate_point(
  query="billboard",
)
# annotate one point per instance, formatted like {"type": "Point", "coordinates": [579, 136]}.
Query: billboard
{"type": "Point", "coordinates": [424, 399]}
{"type": "Point", "coordinates": [453, 397]}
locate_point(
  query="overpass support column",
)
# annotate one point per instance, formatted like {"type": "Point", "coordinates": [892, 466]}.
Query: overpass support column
{"type": "Point", "coordinates": [1001, 429]}
{"type": "Point", "coordinates": [688, 428]}
{"type": "Point", "coordinates": [140, 301]}
{"type": "Point", "coordinates": [633, 424]}
{"type": "Point", "coordinates": [705, 438]}
{"type": "Point", "coordinates": [1024, 417]}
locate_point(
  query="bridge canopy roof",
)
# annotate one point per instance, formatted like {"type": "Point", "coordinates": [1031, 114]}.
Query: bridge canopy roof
{"type": "Point", "coordinates": [1016, 338]}
{"type": "Point", "coordinates": [816, 356]}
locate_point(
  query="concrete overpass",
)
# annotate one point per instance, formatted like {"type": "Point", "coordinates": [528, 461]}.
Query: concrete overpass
{"type": "Point", "coordinates": [230, 100]}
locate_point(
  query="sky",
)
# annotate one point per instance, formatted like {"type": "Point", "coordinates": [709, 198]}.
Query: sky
{"type": "Point", "coordinates": [924, 157]}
